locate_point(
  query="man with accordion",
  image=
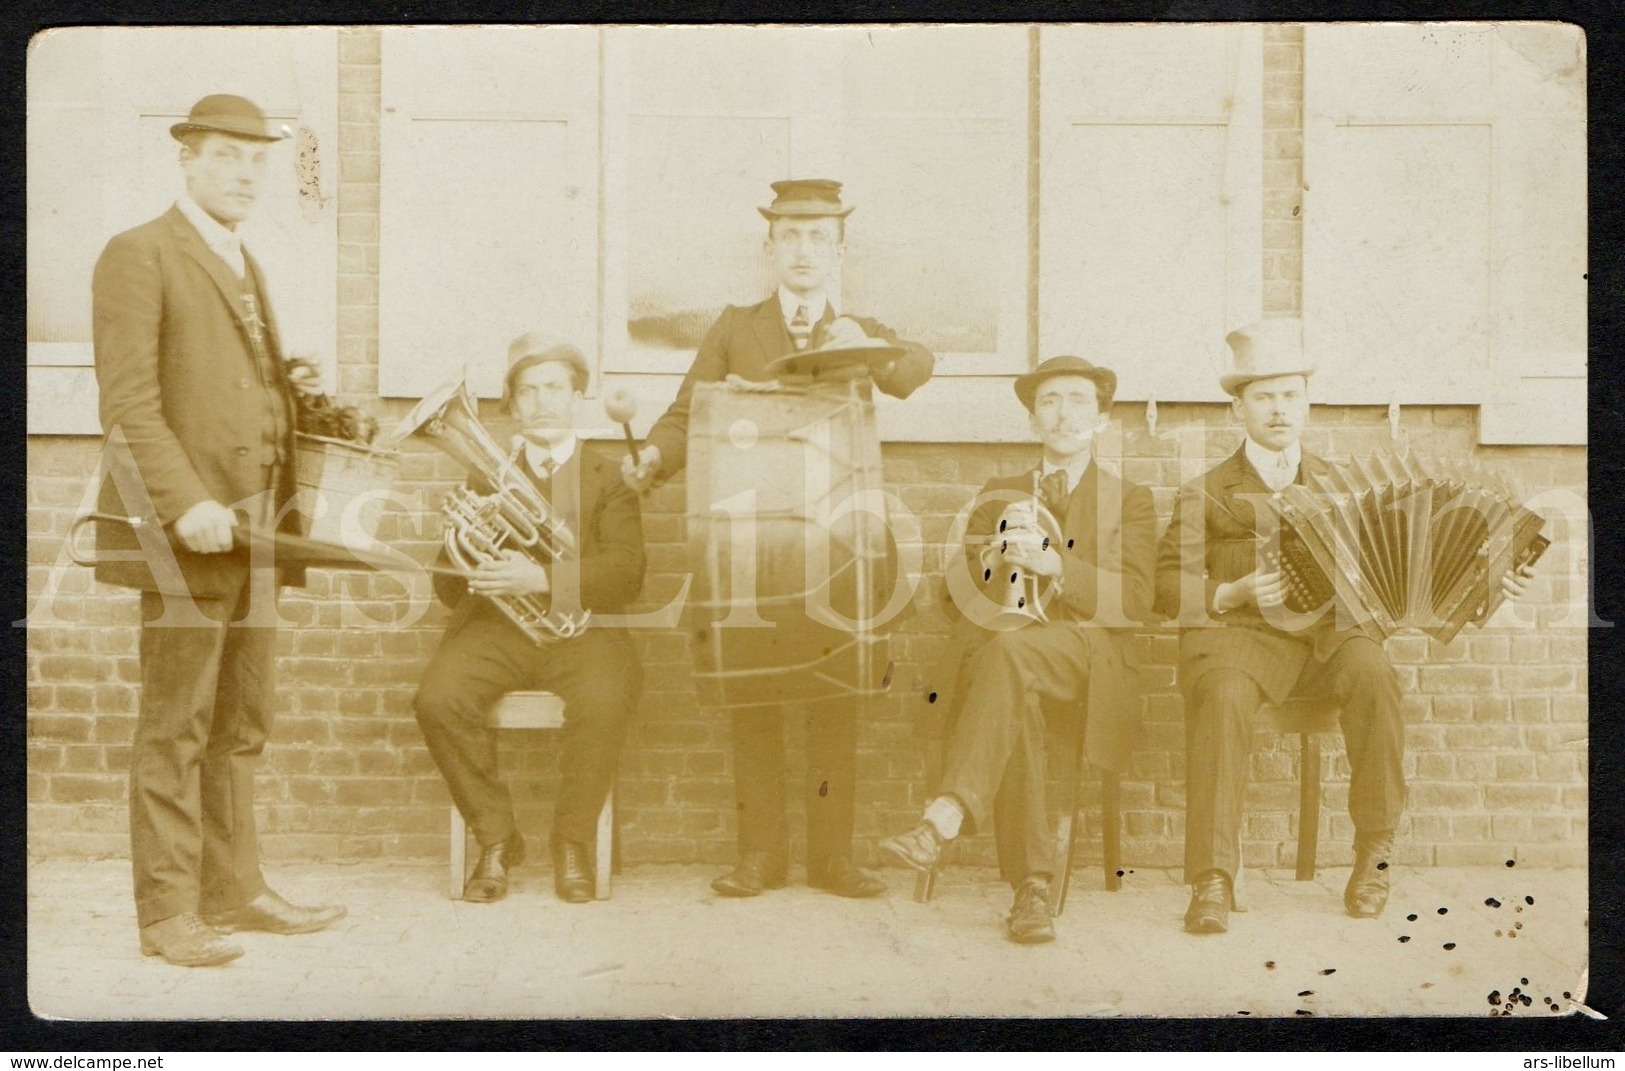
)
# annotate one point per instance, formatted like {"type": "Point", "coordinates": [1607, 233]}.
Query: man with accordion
{"type": "Point", "coordinates": [1249, 634]}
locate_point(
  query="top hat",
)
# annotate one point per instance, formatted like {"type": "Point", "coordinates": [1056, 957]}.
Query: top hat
{"type": "Point", "coordinates": [223, 113]}
{"type": "Point", "coordinates": [806, 197]}
{"type": "Point", "coordinates": [1105, 379]}
{"type": "Point", "coordinates": [1264, 350]}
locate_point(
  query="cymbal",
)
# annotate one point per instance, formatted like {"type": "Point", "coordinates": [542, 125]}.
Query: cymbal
{"type": "Point", "coordinates": [873, 355]}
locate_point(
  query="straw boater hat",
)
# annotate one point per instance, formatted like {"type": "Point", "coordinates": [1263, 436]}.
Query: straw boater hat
{"type": "Point", "coordinates": [1264, 350]}
{"type": "Point", "coordinates": [1105, 379]}
{"type": "Point", "coordinates": [806, 197]}
{"type": "Point", "coordinates": [222, 113]}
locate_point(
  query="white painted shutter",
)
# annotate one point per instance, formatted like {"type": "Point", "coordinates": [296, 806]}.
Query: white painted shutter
{"type": "Point", "coordinates": [101, 160]}
{"type": "Point", "coordinates": [1150, 228]}
{"type": "Point", "coordinates": [1444, 221]}
{"type": "Point", "coordinates": [488, 202]}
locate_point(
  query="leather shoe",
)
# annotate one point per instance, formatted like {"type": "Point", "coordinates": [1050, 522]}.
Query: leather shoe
{"type": "Point", "coordinates": [920, 847]}
{"type": "Point", "coordinates": [839, 876]}
{"type": "Point", "coordinates": [269, 913]}
{"type": "Point", "coordinates": [187, 941]}
{"type": "Point", "coordinates": [1367, 891]}
{"type": "Point", "coordinates": [755, 873]}
{"type": "Point", "coordinates": [1031, 921]}
{"type": "Point", "coordinates": [489, 882]}
{"type": "Point", "coordinates": [1212, 900]}
{"type": "Point", "coordinates": [573, 880]}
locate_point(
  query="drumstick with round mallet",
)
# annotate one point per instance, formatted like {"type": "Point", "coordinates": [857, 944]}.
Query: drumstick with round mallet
{"type": "Point", "coordinates": [621, 408]}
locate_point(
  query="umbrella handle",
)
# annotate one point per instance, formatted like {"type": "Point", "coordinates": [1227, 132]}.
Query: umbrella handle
{"type": "Point", "coordinates": [80, 556]}
{"type": "Point", "coordinates": [77, 553]}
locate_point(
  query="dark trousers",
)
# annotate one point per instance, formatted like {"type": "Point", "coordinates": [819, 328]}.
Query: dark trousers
{"type": "Point", "coordinates": [994, 761]}
{"type": "Point", "coordinates": [1218, 745]}
{"type": "Point", "coordinates": [595, 673]}
{"type": "Point", "coordinates": [759, 780]}
{"type": "Point", "coordinates": [207, 691]}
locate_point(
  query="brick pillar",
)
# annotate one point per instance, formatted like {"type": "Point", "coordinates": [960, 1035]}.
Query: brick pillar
{"type": "Point", "coordinates": [1283, 170]}
{"type": "Point", "coordinates": [359, 79]}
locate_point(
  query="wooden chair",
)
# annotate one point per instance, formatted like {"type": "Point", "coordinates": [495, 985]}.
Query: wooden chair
{"type": "Point", "coordinates": [1066, 832]}
{"type": "Point", "coordinates": [1306, 717]}
{"type": "Point", "coordinates": [534, 710]}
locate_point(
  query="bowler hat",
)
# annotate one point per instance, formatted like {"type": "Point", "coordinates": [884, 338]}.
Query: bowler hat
{"type": "Point", "coordinates": [223, 113]}
{"type": "Point", "coordinates": [806, 197]}
{"type": "Point", "coordinates": [1264, 350]}
{"type": "Point", "coordinates": [533, 348]}
{"type": "Point", "coordinates": [1105, 379]}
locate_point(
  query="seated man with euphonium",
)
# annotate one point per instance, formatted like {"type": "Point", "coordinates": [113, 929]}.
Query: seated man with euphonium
{"type": "Point", "coordinates": [1085, 557]}
{"type": "Point", "coordinates": [487, 653]}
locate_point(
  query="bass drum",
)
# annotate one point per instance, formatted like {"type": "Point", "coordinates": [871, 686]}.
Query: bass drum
{"type": "Point", "coordinates": [791, 553]}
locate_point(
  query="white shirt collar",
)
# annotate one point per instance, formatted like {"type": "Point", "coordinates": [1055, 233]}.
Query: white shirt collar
{"type": "Point", "coordinates": [1074, 471]}
{"type": "Point", "coordinates": [816, 304]}
{"type": "Point", "coordinates": [560, 452]}
{"type": "Point", "coordinates": [224, 242]}
{"type": "Point", "coordinates": [1265, 460]}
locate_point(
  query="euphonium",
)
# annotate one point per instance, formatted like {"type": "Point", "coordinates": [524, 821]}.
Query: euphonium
{"type": "Point", "coordinates": [1022, 600]}
{"type": "Point", "coordinates": [501, 510]}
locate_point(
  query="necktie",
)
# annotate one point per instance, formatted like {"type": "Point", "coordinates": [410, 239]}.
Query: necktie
{"type": "Point", "coordinates": [1052, 489]}
{"type": "Point", "coordinates": [800, 328]}
{"type": "Point", "coordinates": [230, 249]}
{"type": "Point", "coordinates": [1278, 475]}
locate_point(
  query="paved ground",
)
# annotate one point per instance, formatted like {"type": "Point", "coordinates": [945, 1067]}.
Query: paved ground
{"type": "Point", "coordinates": [666, 946]}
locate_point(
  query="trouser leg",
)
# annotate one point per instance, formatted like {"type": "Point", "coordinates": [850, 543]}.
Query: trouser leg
{"type": "Point", "coordinates": [1013, 670]}
{"type": "Point", "coordinates": [474, 667]}
{"type": "Point", "coordinates": [1020, 808]}
{"type": "Point", "coordinates": [1361, 680]}
{"type": "Point", "coordinates": [180, 669]}
{"type": "Point", "coordinates": [758, 752]}
{"type": "Point", "coordinates": [1219, 709]}
{"type": "Point", "coordinates": [244, 701]}
{"type": "Point", "coordinates": [599, 678]}
{"type": "Point", "coordinates": [832, 768]}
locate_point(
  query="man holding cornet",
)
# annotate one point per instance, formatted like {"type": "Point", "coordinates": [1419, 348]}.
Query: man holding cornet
{"type": "Point", "coordinates": [486, 653]}
{"type": "Point", "coordinates": [1058, 564]}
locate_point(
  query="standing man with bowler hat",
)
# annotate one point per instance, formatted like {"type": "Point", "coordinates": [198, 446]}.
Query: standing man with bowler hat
{"type": "Point", "coordinates": [485, 655]}
{"type": "Point", "coordinates": [806, 235]}
{"type": "Point", "coordinates": [191, 382]}
{"type": "Point", "coordinates": [1001, 668]}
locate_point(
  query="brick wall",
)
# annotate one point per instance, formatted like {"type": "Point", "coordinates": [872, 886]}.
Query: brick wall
{"type": "Point", "coordinates": [1283, 170]}
{"type": "Point", "coordinates": [1496, 721]}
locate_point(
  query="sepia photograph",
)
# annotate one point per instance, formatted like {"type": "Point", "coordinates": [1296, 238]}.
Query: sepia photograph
{"type": "Point", "coordinates": [837, 522]}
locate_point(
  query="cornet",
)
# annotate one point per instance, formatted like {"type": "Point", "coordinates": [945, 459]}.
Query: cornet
{"type": "Point", "coordinates": [1021, 601]}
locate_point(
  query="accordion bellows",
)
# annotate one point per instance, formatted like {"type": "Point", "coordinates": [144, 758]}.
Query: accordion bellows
{"type": "Point", "coordinates": [1401, 543]}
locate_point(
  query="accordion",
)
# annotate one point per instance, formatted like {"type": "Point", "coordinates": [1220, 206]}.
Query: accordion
{"type": "Point", "coordinates": [1397, 543]}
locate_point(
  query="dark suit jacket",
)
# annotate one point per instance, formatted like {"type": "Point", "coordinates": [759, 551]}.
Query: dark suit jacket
{"type": "Point", "coordinates": [178, 379]}
{"type": "Point", "coordinates": [744, 341]}
{"type": "Point", "coordinates": [1108, 558]}
{"type": "Point", "coordinates": [1213, 539]}
{"type": "Point", "coordinates": [587, 493]}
